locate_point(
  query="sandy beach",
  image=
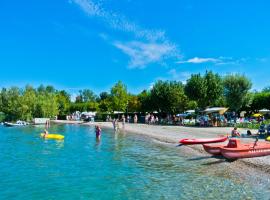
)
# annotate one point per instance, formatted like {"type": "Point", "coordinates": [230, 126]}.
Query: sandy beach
{"type": "Point", "coordinates": [253, 169]}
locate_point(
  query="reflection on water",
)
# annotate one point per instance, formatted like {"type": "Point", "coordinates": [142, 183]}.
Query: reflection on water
{"type": "Point", "coordinates": [119, 166]}
{"type": "Point", "coordinates": [97, 144]}
{"type": "Point", "coordinates": [60, 144]}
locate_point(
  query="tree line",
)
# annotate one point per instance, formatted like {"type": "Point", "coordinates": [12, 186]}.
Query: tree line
{"type": "Point", "coordinates": [166, 97]}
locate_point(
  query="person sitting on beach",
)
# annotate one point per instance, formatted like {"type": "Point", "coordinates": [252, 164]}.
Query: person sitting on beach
{"type": "Point", "coordinates": [235, 132]}
{"type": "Point", "coordinates": [249, 132]}
{"type": "Point", "coordinates": [98, 132]}
{"type": "Point", "coordinates": [46, 133]}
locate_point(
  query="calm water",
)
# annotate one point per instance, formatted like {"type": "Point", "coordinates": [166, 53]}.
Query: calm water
{"type": "Point", "coordinates": [119, 167]}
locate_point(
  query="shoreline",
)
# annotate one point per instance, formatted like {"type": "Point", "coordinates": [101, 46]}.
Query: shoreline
{"type": "Point", "coordinates": [249, 168]}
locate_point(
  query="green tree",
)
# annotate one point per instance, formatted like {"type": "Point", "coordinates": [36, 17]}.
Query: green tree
{"type": "Point", "coordinates": [266, 89]}
{"type": "Point", "coordinates": [134, 104]}
{"type": "Point", "coordinates": [87, 95]}
{"type": "Point", "coordinates": [63, 100]}
{"type": "Point", "coordinates": [104, 95]}
{"type": "Point", "coordinates": [195, 89]}
{"type": "Point", "coordinates": [119, 97]}
{"type": "Point", "coordinates": [260, 101]}
{"type": "Point", "coordinates": [236, 88]}
{"type": "Point", "coordinates": [2, 117]}
{"type": "Point", "coordinates": [192, 105]}
{"type": "Point", "coordinates": [214, 89]}
{"type": "Point", "coordinates": [13, 107]}
{"type": "Point", "coordinates": [146, 102]}
{"type": "Point", "coordinates": [3, 100]}
{"type": "Point", "coordinates": [105, 106]}
{"type": "Point", "coordinates": [247, 104]}
{"type": "Point", "coordinates": [169, 97]}
{"type": "Point", "coordinates": [47, 104]}
{"type": "Point", "coordinates": [28, 103]}
{"type": "Point", "coordinates": [205, 90]}
{"type": "Point", "coordinates": [50, 89]}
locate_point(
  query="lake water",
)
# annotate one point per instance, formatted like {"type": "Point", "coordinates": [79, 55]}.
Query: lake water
{"type": "Point", "coordinates": [120, 166]}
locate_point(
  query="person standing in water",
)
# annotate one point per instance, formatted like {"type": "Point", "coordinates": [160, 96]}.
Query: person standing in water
{"type": "Point", "coordinates": [98, 132]}
{"type": "Point", "coordinates": [114, 124]}
{"type": "Point", "coordinates": [46, 133]}
{"type": "Point", "coordinates": [135, 119]}
{"type": "Point", "coordinates": [123, 120]}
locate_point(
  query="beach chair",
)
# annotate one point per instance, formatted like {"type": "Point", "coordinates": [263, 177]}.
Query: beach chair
{"type": "Point", "coordinates": [268, 130]}
{"type": "Point", "coordinates": [262, 129]}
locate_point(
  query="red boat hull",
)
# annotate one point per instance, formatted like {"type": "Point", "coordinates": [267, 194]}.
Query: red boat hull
{"type": "Point", "coordinates": [213, 149]}
{"type": "Point", "coordinates": [235, 150]}
{"type": "Point", "coordinates": [202, 141]}
{"type": "Point", "coordinates": [248, 152]}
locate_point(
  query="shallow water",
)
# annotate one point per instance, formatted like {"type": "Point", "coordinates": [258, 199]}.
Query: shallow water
{"type": "Point", "coordinates": [120, 166]}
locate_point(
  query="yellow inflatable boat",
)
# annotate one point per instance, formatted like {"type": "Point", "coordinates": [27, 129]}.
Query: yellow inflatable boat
{"type": "Point", "coordinates": [53, 136]}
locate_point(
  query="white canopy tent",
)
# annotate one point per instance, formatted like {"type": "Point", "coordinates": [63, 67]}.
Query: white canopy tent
{"type": "Point", "coordinates": [264, 111]}
{"type": "Point", "coordinates": [118, 112]}
{"type": "Point", "coordinates": [92, 114]}
{"type": "Point", "coordinates": [186, 113]}
{"type": "Point", "coordinates": [220, 110]}
{"type": "Point", "coordinates": [190, 111]}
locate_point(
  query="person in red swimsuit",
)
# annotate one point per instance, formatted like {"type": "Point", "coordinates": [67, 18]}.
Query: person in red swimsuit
{"type": "Point", "coordinates": [98, 132]}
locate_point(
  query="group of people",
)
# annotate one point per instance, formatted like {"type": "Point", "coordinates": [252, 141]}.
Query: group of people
{"type": "Point", "coordinates": [127, 119]}
{"type": "Point", "coordinates": [115, 122]}
{"type": "Point", "coordinates": [262, 130]}
{"type": "Point", "coordinates": [47, 125]}
{"type": "Point", "coordinates": [151, 119]}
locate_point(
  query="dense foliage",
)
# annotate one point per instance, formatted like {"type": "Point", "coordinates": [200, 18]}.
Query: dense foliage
{"type": "Point", "coordinates": [205, 90]}
{"type": "Point", "coordinates": [236, 88]}
{"type": "Point", "coordinates": [167, 97]}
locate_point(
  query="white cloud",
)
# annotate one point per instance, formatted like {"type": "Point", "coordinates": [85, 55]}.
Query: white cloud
{"type": "Point", "coordinates": [142, 54]}
{"type": "Point", "coordinates": [118, 21]}
{"type": "Point", "coordinates": [148, 46]}
{"type": "Point", "coordinates": [216, 61]}
{"type": "Point", "coordinates": [91, 8]}
{"type": "Point", "coordinates": [197, 60]}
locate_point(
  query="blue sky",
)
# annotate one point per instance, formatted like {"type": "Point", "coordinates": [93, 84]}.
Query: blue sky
{"type": "Point", "coordinates": [76, 44]}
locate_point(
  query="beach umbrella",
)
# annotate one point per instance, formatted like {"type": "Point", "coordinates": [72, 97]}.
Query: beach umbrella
{"type": "Point", "coordinates": [182, 115]}
{"type": "Point", "coordinates": [264, 111]}
{"type": "Point", "coordinates": [220, 110]}
{"type": "Point", "coordinates": [257, 115]}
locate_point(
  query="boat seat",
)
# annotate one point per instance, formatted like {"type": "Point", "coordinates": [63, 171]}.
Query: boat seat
{"type": "Point", "coordinates": [234, 143]}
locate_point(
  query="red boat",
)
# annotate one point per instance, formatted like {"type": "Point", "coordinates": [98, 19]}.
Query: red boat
{"type": "Point", "coordinates": [235, 150]}
{"type": "Point", "coordinates": [202, 141]}
{"type": "Point", "coordinates": [216, 148]}
{"type": "Point", "coordinates": [213, 149]}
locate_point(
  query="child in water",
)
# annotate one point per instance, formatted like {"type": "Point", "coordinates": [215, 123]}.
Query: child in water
{"type": "Point", "coordinates": [98, 132]}
{"type": "Point", "coordinates": [46, 133]}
